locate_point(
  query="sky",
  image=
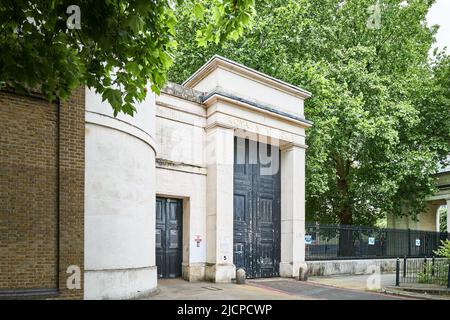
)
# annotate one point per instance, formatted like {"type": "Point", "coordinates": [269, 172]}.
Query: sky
{"type": "Point", "coordinates": [440, 14]}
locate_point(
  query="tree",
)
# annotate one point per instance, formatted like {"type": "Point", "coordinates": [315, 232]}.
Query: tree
{"type": "Point", "coordinates": [116, 47]}
{"type": "Point", "coordinates": [380, 107]}
{"type": "Point", "coordinates": [444, 249]}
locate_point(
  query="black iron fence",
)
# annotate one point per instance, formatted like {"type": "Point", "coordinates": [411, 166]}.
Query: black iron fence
{"type": "Point", "coordinates": [423, 271]}
{"type": "Point", "coordinates": [334, 242]}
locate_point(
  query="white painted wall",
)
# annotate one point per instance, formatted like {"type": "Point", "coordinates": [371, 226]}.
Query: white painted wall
{"type": "Point", "coordinates": [180, 138]}
{"type": "Point", "coordinates": [426, 221]}
{"type": "Point", "coordinates": [119, 201]}
{"type": "Point", "coordinates": [192, 189]}
{"type": "Point", "coordinates": [143, 119]}
{"type": "Point", "coordinates": [179, 141]}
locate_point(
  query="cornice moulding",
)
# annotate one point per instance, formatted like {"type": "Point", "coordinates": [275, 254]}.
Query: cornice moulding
{"type": "Point", "coordinates": [220, 62]}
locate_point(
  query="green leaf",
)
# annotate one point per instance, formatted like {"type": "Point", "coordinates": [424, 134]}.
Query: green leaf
{"type": "Point", "coordinates": [198, 11]}
{"type": "Point", "coordinates": [114, 97]}
{"type": "Point", "coordinates": [135, 23]}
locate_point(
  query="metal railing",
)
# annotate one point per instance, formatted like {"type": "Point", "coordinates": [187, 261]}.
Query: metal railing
{"type": "Point", "coordinates": [335, 242]}
{"type": "Point", "coordinates": [424, 271]}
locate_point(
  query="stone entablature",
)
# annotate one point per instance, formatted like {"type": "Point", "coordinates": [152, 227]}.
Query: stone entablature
{"type": "Point", "coordinates": [177, 90]}
{"type": "Point", "coordinates": [221, 74]}
{"type": "Point", "coordinates": [443, 185]}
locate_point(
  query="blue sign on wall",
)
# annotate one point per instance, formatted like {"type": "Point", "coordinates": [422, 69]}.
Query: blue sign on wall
{"type": "Point", "coordinates": [308, 239]}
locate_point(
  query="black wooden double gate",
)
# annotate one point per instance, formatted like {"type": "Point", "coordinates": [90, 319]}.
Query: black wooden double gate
{"type": "Point", "coordinates": [256, 235]}
{"type": "Point", "coordinates": [169, 237]}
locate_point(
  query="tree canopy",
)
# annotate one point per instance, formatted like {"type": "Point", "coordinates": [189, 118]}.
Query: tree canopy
{"type": "Point", "coordinates": [116, 47]}
{"type": "Point", "coordinates": [380, 105]}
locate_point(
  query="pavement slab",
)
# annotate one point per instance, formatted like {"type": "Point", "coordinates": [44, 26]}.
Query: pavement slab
{"type": "Point", "coordinates": [178, 289]}
{"type": "Point", "coordinates": [317, 291]}
{"type": "Point", "coordinates": [374, 282]}
{"type": "Point", "coordinates": [261, 289]}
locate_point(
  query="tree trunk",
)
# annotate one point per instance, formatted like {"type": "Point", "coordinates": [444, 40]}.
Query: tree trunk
{"type": "Point", "coordinates": [346, 244]}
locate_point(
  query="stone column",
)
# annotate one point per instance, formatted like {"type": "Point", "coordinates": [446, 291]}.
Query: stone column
{"type": "Point", "coordinates": [119, 233]}
{"type": "Point", "coordinates": [219, 204]}
{"type": "Point", "coordinates": [448, 215]}
{"type": "Point", "coordinates": [438, 219]}
{"type": "Point", "coordinates": [292, 210]}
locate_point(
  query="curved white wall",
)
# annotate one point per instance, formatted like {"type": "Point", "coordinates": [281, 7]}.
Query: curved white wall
{"type": "Point", "coordinates": [119, 201]}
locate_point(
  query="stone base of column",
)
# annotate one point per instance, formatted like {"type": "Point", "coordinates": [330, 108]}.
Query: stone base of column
{"type": "Point", "coordinates": [193, 271]}
{"type": "Point", "coordinates": [291, 269]}
{"type": "Point", "coordinates": [117, 284]}
{"type": "Point", "coordinates": [222, 273]}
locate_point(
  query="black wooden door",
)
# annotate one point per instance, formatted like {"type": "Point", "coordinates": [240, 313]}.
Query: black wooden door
{"type": "Point", "coordinates": [256, 237]}
{"type": "Point", "coordinates": [169, 237]}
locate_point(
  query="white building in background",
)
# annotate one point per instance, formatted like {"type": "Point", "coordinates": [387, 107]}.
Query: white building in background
{"type": "Point", "coordinates": [430, 219]}
{"type": "Point", "coordinates": [207, 177]}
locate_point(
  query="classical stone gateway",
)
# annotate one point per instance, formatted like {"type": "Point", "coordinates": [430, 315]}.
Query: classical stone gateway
{"type": "Point", "coordinates": [207, 177]}
{"type": "Point", "coordinates": [208, 131]}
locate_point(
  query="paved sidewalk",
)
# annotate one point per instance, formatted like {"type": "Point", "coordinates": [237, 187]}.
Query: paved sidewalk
{"type": "Point", "coordinates": [178, 289]}
{"type": "Point", "coordinates": [358, 282]}
{"type": "Point", "coordinates": [261, 289]}
{"type": "Point", "coordinates": [384, 283]}
{"type": "Point", "coordinates": [420, 290]}
{"type": "Point", "coordinates": [319, 291]}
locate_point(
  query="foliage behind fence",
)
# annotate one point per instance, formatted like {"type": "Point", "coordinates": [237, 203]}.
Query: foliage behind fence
{"type": "Point", "coordinates": [424, 271]}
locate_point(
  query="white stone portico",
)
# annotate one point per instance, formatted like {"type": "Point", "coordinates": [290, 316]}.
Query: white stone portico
{"type": "Point", "coordinates": [228, 100]}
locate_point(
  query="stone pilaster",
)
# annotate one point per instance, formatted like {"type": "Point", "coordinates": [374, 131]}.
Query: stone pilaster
{"type": "Point", "coordinates": [292, 209]}
{"type": "Point", "coordinates": [219, 204]}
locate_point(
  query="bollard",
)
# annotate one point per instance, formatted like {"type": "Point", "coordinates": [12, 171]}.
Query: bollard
{"type": "Point", "coordinates": [397, 273]}
{"type": "Point", "coordinates": [303, 272]}
{"type": "Point", "coordinates": [240, 276]}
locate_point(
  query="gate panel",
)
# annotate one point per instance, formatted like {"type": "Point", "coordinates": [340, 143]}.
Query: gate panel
{"type": "Point", "coordinates": [168, 240]}
{"type": "Point", "coordinates": [256, 214]}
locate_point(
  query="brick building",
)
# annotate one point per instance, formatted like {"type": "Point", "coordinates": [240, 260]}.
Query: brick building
{"type": "Point", "coordinates": [41, 193]}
